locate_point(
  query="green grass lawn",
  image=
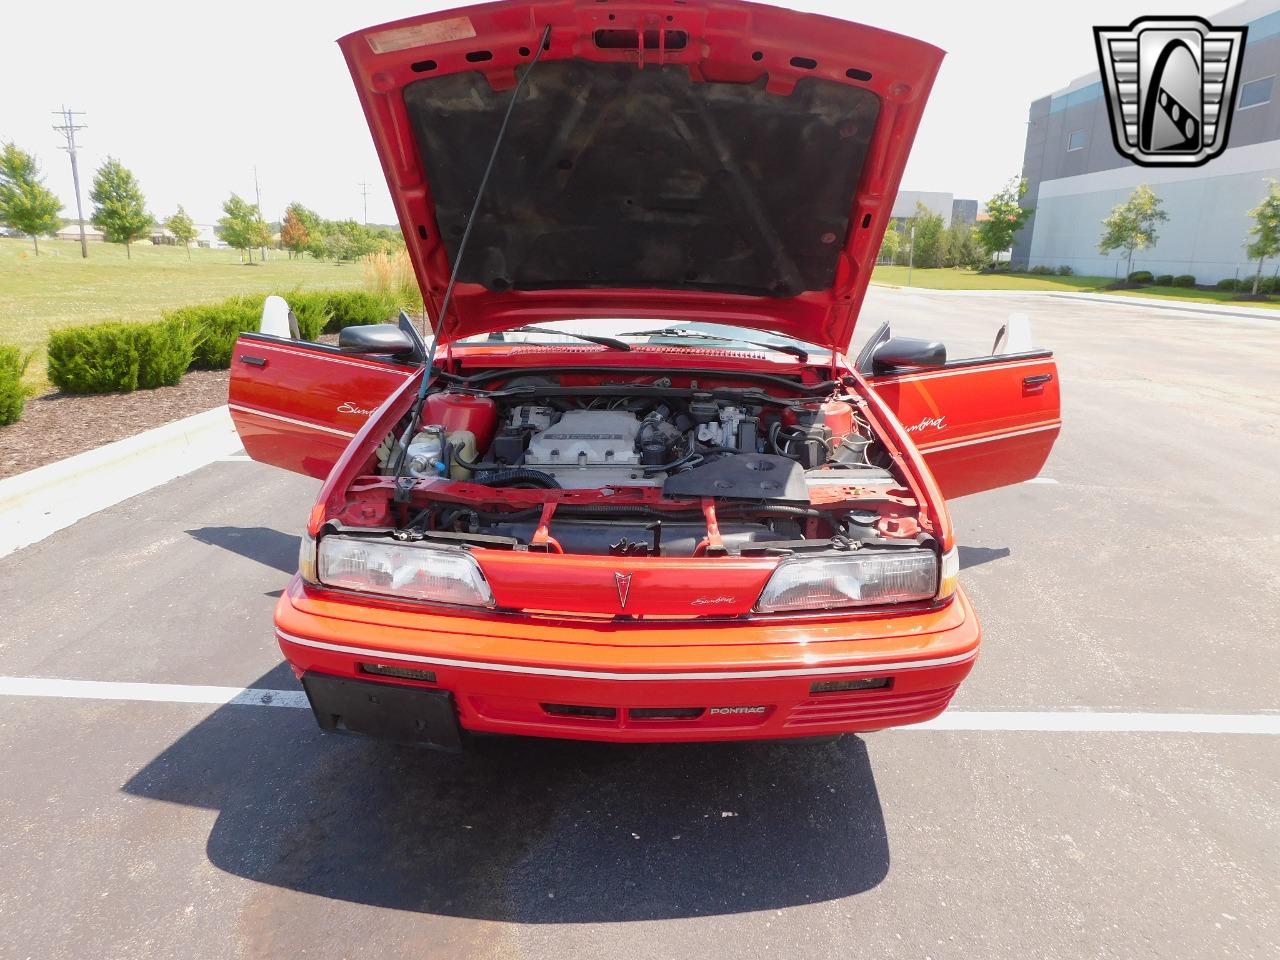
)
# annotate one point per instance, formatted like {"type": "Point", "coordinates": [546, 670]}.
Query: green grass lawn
{"type": "Point", "coordinates": [948, 279]}
{"type": "Point", "coordinates": [59, 288]}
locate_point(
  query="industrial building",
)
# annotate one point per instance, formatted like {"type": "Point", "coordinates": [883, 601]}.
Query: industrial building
{"type": "Point", "coordinates": [1075, 176]}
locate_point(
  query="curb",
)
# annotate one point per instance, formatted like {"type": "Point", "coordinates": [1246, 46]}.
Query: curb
{"type": "Point", "coordinates": [1159, 303]}
{"type": "Point", "coordinates": [50, 498]}
{"type": "Point", "coordinates": [975, 294]}
{"type": "Point", "coordinates": [1206, 309]}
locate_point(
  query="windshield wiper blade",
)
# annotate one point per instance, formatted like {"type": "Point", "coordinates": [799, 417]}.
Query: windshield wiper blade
{"type": "Point", "coordinates": [788, 348]}
{"type": "Point", "coordinates": [590, 338]}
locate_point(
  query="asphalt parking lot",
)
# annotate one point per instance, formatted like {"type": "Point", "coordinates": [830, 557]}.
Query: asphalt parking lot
{"type": "Point", "coordinates": [1139, 577]}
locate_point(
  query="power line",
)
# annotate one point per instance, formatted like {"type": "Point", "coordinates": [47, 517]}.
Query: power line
{"type": "Point", "coordinates": [364, 193]}
{"type": "Point", "coordinates": [68, 129]}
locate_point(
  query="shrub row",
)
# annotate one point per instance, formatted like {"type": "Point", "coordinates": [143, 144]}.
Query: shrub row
{"type": "Point", "coordinates": [1044, 270]}
{"type": "Point", "coordinates": [1266, 285]}
{"type": "Point", "coordinates": [325, 311]}
{"type": "Point", "coordinates": [117, 356]}
{"type": "Point", "coordinates": [12, 393]}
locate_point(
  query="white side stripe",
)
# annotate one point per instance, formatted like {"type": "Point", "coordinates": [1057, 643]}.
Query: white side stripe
{"type": "Point", "coordinates": [328, 358]}
{"type": "Point", "coordinates": [939, 374]}
{"type": "Point", "coordinates": [299, 423]}
{"type": "Point", "coordinates": [604, 675]}
{"type": "Point", "coordinates": [1256, 724]}
{"type": "Point", "coordinates": [934, 448]}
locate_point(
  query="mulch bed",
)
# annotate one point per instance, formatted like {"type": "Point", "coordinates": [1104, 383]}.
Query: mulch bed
{"type": "Point", "coordinates": [58, 425]}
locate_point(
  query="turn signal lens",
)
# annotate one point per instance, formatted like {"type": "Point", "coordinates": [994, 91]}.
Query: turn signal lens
{"type": "Point", "coordinates": [411, 570]}
{"type": "Point", "coordinates": [950, 573]}
{"type": "Point", "coordinates": [851, 580]}
{"type": "Point", "coordinates": [307, 558]}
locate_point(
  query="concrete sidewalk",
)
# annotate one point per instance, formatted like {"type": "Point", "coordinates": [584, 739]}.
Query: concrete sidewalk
{"type": "Point", "coordinates": [41, 501]}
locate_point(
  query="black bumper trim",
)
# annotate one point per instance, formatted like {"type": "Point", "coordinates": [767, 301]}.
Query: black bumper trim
{"type": "Point", "coordinates": [386, 711]}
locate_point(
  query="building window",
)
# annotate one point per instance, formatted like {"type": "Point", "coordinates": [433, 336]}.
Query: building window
{"type": "Point", "coordinates": [1077, 139]}
{"type": "Point", "coordinates": [1256, 92]}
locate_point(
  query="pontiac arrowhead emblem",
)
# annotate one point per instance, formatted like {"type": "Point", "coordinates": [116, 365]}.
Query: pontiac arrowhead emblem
{"type": "Point", "coordinates": [623, 580]}
{"type": "Point", "coordinates": [1171, 88]}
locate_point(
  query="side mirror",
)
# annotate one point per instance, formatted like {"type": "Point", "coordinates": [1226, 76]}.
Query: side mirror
{"type": "Point", "coordinates": [899, 352]}
{"type": "Point", "coordinates": [384, 338]}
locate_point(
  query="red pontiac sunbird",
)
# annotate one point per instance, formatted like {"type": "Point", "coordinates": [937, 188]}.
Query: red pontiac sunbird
{"type": "Point", "coordinates": [631, 488]}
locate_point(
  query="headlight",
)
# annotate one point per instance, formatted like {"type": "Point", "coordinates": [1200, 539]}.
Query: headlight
{"type": "Point", "coordinates": [851, 580]}
{"type": "Point", "coordinates": [409, 570]}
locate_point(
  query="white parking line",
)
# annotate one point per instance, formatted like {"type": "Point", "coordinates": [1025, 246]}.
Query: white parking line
{"type": "Point", "coordinates": [1066, 721]}
{"type": "Point", "coordinates": [1040, 480]}
{"type": "Point", "coordinates": [1086, 721]}
{"type": "Point", "coordinates": [153, 692]}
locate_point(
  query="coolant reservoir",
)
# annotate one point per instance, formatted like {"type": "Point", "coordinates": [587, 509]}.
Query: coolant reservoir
{"type": "Point", "coordinates": [839, 418]}
{"type": "Point", "coordinates": [425, 457]}
{"type": "Point", "coordinates": [461, 411]}
{"type": "Point", "coordinates": [837, 415]}
{"type": "Point", "coordinates": [463, 443]}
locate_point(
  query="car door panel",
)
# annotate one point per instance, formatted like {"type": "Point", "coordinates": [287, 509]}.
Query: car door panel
{"type": "Point", "coordinates": [981, 423]}
{"type": "Point", "coordinates": [297, 404]}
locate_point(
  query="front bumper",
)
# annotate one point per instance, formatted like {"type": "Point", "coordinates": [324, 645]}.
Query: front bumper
{"type": "Point", "coordinates": [638, 681]}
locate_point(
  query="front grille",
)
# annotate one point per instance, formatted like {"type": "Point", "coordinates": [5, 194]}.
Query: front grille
{"type": "Point", "coordinates": [665, 713]}
{"type": "Point", "coordinates": [576, 710]}
{"type": "Point", "coordinates": [867, 708]}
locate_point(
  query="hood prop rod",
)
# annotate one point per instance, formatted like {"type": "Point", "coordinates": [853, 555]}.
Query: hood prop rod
{"type": "Point", "coordinates": [403, 484]}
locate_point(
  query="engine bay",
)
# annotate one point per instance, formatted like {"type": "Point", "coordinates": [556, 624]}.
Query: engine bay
{"type": "Point", "coordinates": [661, 465]}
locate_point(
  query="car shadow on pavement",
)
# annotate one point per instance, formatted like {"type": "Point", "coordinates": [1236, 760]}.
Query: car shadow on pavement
{"type": "Point", "coordinates": [528, 831]}
{"type": "Point", "coordinates": [976, 556]}
{"type": "Point", "coordinates": [263, 544]}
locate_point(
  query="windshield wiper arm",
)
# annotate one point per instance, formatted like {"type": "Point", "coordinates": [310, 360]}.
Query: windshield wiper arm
{"type": "Point", "coordinates": [788, 348]}
{"type": "Point", "coordinates": [590, 338]}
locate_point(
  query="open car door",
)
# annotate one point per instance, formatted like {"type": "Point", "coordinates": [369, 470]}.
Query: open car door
{"type": "Point", "coordinates": [981, 422]}
{"type": "Point", "coordinates": [298, 404]}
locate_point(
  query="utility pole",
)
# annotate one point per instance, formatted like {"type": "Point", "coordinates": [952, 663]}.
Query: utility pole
{"type": "Point", "coordinates": [68, 129]}
{"type": "Point", "coordinates": [364, 193]}
{"type": "Point", "coordinates": [911, 254]}
{"type": "Point", "coordinates": [257, 199]}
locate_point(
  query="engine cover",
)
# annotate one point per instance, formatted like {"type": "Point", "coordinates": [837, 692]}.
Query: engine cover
{"type": "Point", "coordinates": [589, 448]}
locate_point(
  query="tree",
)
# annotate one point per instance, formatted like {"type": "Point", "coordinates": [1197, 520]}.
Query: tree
{"type": "Point", "coordinates": [890, 245]}
{"type": "Point", "coordinates": [242, 225]}
{"type": "Point", "coordinates": [294, 235]}
{"type": "Point", "coordinates": [927, 239]}
{"type": "Point", "coordinates": [119, 208]}
{"type": "Point", "coordinates": [960, 246]}
{"type": "Point", "coordinates": [183, 228]}
{"type": "Point", "coordinates": [1131, 225]}
{"type": "Point", "coordinates": [1005, 217]}
{"type": "Point", "coordinates": [1266, 230]}
{"type": "Point", "coordinates": [26, 204]}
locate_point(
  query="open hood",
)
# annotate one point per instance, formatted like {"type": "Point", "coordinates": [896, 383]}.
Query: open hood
{"type": "Point", "coordinates": [675, 159]}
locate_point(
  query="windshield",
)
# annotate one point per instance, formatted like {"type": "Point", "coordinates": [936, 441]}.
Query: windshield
{"type": "Point", "coordinates": [695, 335]}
